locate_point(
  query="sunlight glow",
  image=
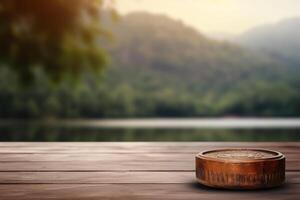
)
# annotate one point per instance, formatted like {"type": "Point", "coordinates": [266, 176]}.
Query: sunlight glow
{"type": "Point", "coordinates": [213, 16]}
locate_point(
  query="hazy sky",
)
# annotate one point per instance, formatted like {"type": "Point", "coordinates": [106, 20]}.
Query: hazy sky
{"type": "Point", "coordinates": [213, 16]}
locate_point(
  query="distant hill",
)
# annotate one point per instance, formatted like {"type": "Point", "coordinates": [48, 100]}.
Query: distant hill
{"type": "Point", "coordinates": [281, 40]}
{"type": "Point", "coordinates": [179, 71]}
{"type": "Point", "coordinates": [162, 68]}
{"type": "Point", "coordinates": [166, 49]}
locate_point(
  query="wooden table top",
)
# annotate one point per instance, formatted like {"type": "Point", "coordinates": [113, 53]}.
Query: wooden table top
{"type": "Point", "coordinates": [89, 171]}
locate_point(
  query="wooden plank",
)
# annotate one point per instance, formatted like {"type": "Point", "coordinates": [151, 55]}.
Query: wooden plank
{"type": "Point", "coordinates": [112, 166]}
{"type": "Point", "coordinates": [138, 149]}
{"type": "Point", "coordinates": [98, 166]}
{"type": "Point", "coordinates": [129, 171]}
{"type": "Point", "coordinates": [109, 177]}
{"type": "Point", "coordinates": [184, 157]}
{"type": "Point", "coordinates": [127, 151]}
{"type": "Point", "coordinates": [191, 191]}
{"type": "Point", "coordinates": [130, 145]}
{"type": "Point", "coordinates": [143, 144]}
{"type": "Point", "coordinates": [21, 157]}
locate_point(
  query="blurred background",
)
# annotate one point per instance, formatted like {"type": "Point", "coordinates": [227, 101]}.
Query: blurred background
{"type": "Point", "coordinates": [149, 70]}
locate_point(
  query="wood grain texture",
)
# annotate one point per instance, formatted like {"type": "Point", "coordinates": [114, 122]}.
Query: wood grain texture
{"type": "Point", "coordinates": [188, 191]}
{"type": "Point", "coordinates": [153, 177]}
{"type": "Point", "coordinates": [88, 171]}
{"type": "Point", "coordinates": [121, 165]}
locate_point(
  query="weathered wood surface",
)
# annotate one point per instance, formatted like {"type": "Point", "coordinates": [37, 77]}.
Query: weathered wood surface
{"type": "Point", "coordinates": [36, 171]}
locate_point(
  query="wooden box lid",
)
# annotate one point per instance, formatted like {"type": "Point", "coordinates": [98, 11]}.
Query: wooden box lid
{"type": "Point", "coordinates": [240, 168]}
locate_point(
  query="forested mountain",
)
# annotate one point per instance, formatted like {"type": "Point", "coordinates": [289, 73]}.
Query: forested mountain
{"type": "Point", "coordinates": [175, 67]}
{"type": "Point", "coordinates": [165, 49]}
{"type": "Point", "coordinates": [280, 40]}
{"type": "Point", "coordinates": [161, 68]}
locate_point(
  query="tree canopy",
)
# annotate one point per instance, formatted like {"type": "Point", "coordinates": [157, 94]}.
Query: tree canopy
{"type": "Point", "coordinates": [162, 68]}
{"type": "Point", "coordinates": [59, 36]}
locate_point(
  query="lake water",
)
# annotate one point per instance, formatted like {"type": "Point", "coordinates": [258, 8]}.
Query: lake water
{"type": "Point", "coordinates": [233, 129]}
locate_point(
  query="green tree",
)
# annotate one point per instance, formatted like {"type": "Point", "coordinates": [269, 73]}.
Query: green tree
{"type": "Point", "coordinates": [59, 36]}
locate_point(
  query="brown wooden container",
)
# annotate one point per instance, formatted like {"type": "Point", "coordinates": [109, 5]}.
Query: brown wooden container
{"type": "Point", "coordinates": [240, 168]}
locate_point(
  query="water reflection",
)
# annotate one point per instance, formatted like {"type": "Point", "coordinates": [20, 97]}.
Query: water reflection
{"type": "Point", "coordinates": [42, 132]}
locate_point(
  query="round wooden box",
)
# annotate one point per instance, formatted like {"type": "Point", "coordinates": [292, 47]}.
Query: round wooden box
{"type": "Point", "coordinates": [240, 168]}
